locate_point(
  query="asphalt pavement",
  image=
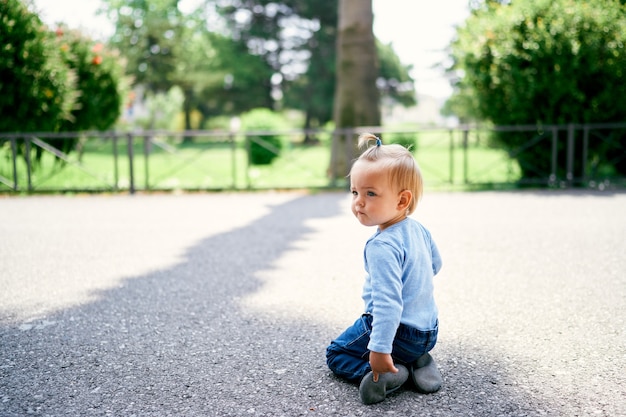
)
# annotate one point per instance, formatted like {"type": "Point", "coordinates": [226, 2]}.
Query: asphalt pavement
{"type": "Point", "coordinates": [223, 304]}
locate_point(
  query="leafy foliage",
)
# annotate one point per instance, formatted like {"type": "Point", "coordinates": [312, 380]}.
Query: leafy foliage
{"type": "Point", "coordinates": [297, 39]}
{"type": "Point", "coordinates": [406, 139]}
{"type": "Point", "coordinates": [242, 83]}
{"type": "Point", "coordinates": [149, 35]}
{"type": "Point", "coordinates": [101, 81]}
{"type": "Point", "coordinates": [166, 47]}
{"type": "Point", "coordinates": [263, 148]}
{"type": "Point", "coordinates": [313, 91]}
{"type": "Point", "coordinates": [162, 109]}
{"type": "Point", "coordinates": [543, 62]}
{"type": "Point", "coordinates": [37, 90]}
{"type": "Point", "coordinates": [395, 81]}
{"type": "Point", "coordinates": [53, 82]}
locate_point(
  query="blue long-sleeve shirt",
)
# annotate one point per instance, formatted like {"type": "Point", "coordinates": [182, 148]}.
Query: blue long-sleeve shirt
{"type": "Point", "coordinates": [400, 262]}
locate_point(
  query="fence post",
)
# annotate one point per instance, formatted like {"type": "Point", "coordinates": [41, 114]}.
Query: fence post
{"type": "Point", "coordinates": [116, 175]}
{"type": "Point", "coordinates": [585, 154]}
{"type": "Point", "coordinates": [28, 163]}
{"type": "Point", "coordinates": [249, 162]}
{"type": "Point", "coordinates": [14, 158]}
{"type": "Point", "coordinates": [555, 149]}
{"type": "Point", "coordinates": [570, 155]}
{"type": "Point", "coordinates": [146, 156]}
{"type": "Point", "coordinates": [334, 141]}
{"type": "Point", "coordinates": [233, 156]}
{"type": "Point", "coordinates": [465, 156]}
{"type": "Point", "coordinates": [451, 131]}
{"type": "Point", "coordinates": [131, 173]}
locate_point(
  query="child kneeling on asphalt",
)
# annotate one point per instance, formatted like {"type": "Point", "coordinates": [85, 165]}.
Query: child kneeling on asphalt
{"type": "Point", "coordinates": [390, 342]}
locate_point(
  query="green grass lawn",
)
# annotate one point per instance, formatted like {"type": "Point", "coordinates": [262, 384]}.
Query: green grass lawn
{"type": "Point", "coordinates": [444, 162]}
{"type": "Point", "coordinates": [214, 164]}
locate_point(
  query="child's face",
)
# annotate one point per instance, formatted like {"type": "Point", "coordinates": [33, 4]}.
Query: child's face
{"type": "Point", "coordinates": [374, 200]}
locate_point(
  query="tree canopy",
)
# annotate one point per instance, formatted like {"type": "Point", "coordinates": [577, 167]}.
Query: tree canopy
{"type": "Point", "coordinates": [298, 40]}
{"type": "Point", "coordinates": [166, 47]}
{"type": "Point", "coordinates": [226, 56]}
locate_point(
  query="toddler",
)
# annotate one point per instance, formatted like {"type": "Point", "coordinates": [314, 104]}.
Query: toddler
{"type": "Point", "coordinates": [390, 342]}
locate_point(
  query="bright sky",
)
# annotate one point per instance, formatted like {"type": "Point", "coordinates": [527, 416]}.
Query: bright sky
{"type": "Point", "coordinates": [418, 29]}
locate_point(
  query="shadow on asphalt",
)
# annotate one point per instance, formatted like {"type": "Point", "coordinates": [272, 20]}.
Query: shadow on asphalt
{"type": "Point", "coordinates": [176, 343]}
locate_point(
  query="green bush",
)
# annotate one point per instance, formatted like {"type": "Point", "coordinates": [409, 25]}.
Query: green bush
{"type": "Point", "coordinates": [38, 91]}
{"type": "Point", "coordinates": [542, 62]}
{"type": "Point", "coordinates": [265, 146]}
{"type": "Point", "coordinates": [101, 81]}
{"type": "Point", "coordinates": [408, 140]}
{"type": "Point", "coordinates": [54, 81]}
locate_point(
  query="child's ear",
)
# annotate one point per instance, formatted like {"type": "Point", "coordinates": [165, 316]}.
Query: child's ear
{"type": "Point", "coordinates": [404, 199]}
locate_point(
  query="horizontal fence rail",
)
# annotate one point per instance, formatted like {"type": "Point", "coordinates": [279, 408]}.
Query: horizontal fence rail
{"type": "Point", "coordinates": [558, 156]}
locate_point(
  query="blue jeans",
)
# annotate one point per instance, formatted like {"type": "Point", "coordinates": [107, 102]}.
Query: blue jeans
{"type": "Point", "coordinates": [348, 357]}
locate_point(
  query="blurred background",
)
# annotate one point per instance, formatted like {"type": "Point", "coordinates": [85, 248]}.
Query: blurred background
{"type": "Point", "coordinates": [232, 94]}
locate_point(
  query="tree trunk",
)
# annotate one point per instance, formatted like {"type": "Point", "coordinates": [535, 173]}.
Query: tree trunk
{"type": "Point", "coordinates": [356, 95]}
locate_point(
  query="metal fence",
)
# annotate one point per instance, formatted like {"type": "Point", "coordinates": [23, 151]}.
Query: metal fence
{"type": "Point", "coordinates": [589, 156]}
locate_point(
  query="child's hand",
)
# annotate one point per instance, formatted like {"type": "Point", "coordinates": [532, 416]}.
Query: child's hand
{"type": "Point", "coordinates": [381, 363]}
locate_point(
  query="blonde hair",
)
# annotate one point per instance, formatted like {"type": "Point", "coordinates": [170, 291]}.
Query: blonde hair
{"type": "Point", "coordinates": [404, 173]}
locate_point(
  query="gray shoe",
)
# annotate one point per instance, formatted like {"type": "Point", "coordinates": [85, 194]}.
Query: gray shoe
{"type": "Point", "coordinates": [426, 375]}
{"type": "Point", "coordinates": [374, 392]}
